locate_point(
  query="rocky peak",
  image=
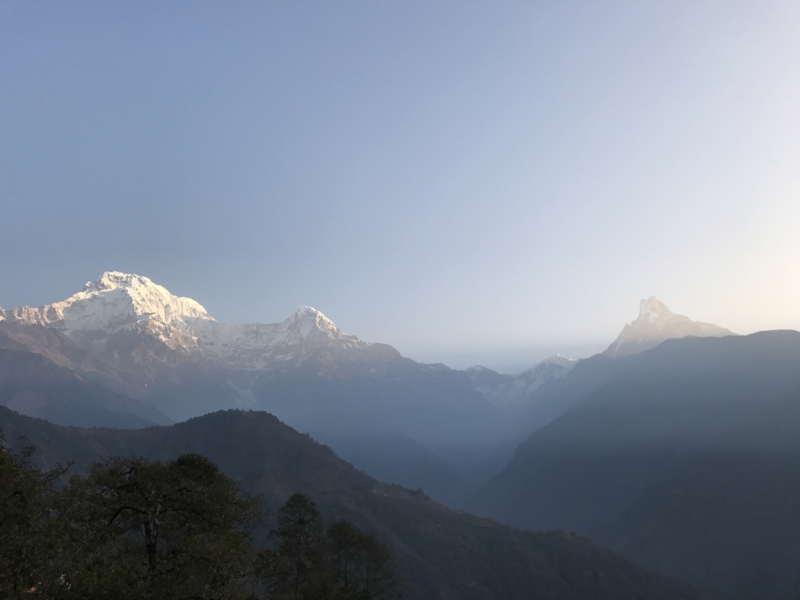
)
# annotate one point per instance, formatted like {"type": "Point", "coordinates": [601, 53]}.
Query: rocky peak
{"type": "Point", "coordinates": [655, 324]}
{"type": "Point", "coordinates": [653, 311]}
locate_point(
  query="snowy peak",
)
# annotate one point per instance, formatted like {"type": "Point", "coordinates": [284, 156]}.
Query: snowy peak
{"type": "Point", "coordinates": [117, 302]}
{"type": "Point", "coordinates": [116, 306]}
{"type": "Point", "coordinates": [510, 393]}
{"type": "Point", "coordinates": [654, 311]}
{"type": "Point", "coordinates": [111, 302]}
{"type": "Point", "coordinates": [550, 369]}
{"type": "Point", "coordinates": [260, 346]}
{"type": "Point", "coordinates": [555, 360]}
{"type": "Point", "coordinates": [309, 321]}
{"type": "Point", "coordinates": [111, 280]}
{"type": "Point", "coordinates": [655, 324]}
{"type": "Point", "coordinates": [143, 296]}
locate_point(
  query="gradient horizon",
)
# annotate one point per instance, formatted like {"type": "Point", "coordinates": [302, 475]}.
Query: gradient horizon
{"type": "Point", "coordinates": [457, 180]}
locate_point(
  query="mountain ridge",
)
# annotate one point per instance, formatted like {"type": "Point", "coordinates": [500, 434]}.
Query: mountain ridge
{"type": "Point", "coordinates": [684, 457]}
{"type": "Point", "coordinates": [420, 425]}
{"type": "Point", "coordinates": [122, 305]}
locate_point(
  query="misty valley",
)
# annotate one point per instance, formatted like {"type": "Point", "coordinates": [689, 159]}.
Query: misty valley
{"type": "Point", "coordinates": [399, 300]}
{"type": "Point", "coordinates": [667, 466]}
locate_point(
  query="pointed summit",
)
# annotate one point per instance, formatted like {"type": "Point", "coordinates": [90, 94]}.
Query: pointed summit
{"type": "Point", "coordinates": [311, 323]}
{"type": "Point", "coordinates": [654, 311]}
{"type": "Point", "coordinates": [266, 346]}
{"type": "Point", "coordinates": [655, 324]}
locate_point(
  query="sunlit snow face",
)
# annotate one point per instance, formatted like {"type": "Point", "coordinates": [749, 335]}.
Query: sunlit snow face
{"type": "Point", "coordinates": [118, 301]}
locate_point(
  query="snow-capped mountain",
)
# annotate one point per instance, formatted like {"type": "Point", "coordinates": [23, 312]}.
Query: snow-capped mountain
{"type": "Point", "coordinates": [262, 346]}
{"type": "Point", "coordinates": [655, 324]}
{"type": "Point", "coordinates": [118, 311]}
{"type": "Point", "coordinates": [510, 392]}
{"type": "Point", "coordinates": [166, 354]}
{"type": "Point", "coordinates": [113, 303]}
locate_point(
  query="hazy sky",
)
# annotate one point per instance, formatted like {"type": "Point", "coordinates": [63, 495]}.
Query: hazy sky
{"type": "Point", "coordinates": [468, 181]}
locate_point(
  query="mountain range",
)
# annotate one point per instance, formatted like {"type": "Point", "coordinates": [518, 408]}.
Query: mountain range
{"type": "Point", "coordinates": [141, 355]}
{"type": "Point", "coordinates": [676, 447]}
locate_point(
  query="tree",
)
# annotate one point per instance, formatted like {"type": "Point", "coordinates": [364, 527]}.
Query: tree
{"type": "Point", "coordinates": [297, 566]}
{"type": "Point", "coordinates": [143, 529]}
{"type": "Point", "coordinates": [345, 547]}
{"type": "Point", "coordinates": [32, 540]}
{"type": "Point", "coordinates": [134, 529]}
{"type": "Point", "coordinates": [311, 562]}
{"type": "Point", "coordinates": [362, 565]}
{"type": "Point", "coordinates": [378, 569]}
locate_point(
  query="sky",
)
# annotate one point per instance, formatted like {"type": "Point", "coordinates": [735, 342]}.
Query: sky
{"type": "Point", "coordinates": [471, 182]}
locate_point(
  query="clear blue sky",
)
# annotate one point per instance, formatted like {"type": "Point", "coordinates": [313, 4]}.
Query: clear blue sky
{"type": "Point", "coordinates": [468, 181]}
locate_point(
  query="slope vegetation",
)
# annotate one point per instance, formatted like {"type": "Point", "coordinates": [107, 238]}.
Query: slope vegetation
{"type": "Point", "coordinates": [442, 553]}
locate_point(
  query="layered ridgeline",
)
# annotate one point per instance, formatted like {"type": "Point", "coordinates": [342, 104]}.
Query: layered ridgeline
{"type": "Point", "coordinates": [514, 394]}
{"type": "Point", "coordinates": [685, 457]}
{"type": "Point", "coordinates": [441, 553]}
{"type": "Point", "coordinates": [532, 399]}
{"type": "Point", "coordinates": [135, 354]}
{"type": "Point", "coordinates": [403, 421]}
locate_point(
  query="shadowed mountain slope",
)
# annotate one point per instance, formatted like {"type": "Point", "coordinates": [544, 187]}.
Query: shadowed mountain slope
{"type": "Point", "coordinates": [648, 412]}
{"type": "Point", "coordinates": [684, 458]}
{"type": "Point", "coordinates": [729, 518]}
{"type": "Point", "coordinates": [32, 384]}
{"type": "Point", "coordinates": [442, 553]}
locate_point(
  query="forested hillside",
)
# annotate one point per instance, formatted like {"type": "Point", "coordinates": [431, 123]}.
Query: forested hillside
{"type": "Point", "coordinates": [441, 553]}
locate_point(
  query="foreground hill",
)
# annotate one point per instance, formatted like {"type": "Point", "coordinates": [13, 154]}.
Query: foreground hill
{"type": "Point", "coordinates": [442, 553]}
{"type": "Point", "coordinates": [685, 457]}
